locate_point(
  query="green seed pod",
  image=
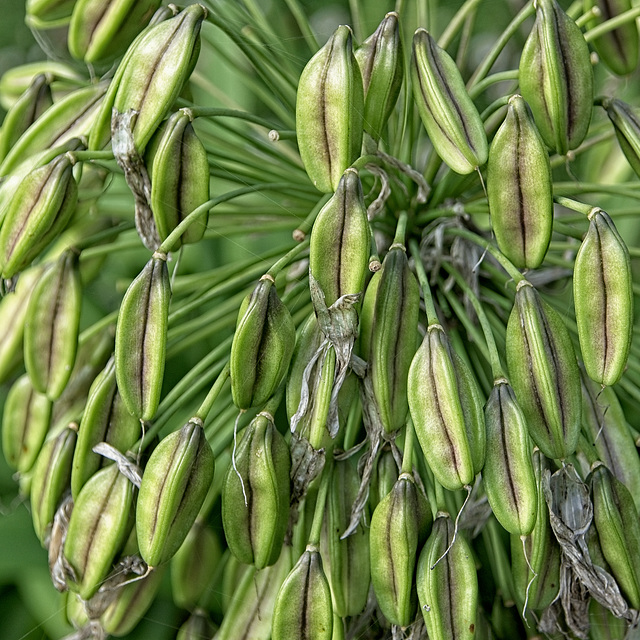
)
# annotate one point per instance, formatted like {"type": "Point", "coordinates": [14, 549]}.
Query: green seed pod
{"type": "Point", "coordinates": [262, 346]}
{"type": "Point", "coordinates": [303, 609]}
{"type": "Point", "coordinates": [49, 9]}
{"type": "Point", "coordinates": [508, 470]}
{"type": "Point", "coordinates": [448, 591]}
{"type": "Point", "coordinates": [556, 78]}
{"type": "Point", "coordinates": [619, 48]}
{"type": "Point", "coordinates": [340, 241]}
{"type": "Point", "coordinates": [519, 188]}
{"type": "Point", "coordinates": [99, 31]}
{"type": "Point", "coordinates": [367, 315]}
{"type": "Point", "coordinates": [446, 407]}
{"type": "Point", "coordinates": [393, 339]}
{"type": "Point", "coordinates": [105, 419]}
{"type": "Point", "coordinates": [255, 494]}
{"type": "Point", "coordinates": [40, 208]}
{"type": "Point", "coordinates": [399, 526]}
{"type": "Point", "coordinates": [347, 563]}
{"type": "Point", "coordinates": [174, 485]}
{"type": "Point", "coordinates": [141, 337]}
{"type": "Point", "coordinates": [381, 62]}
{"type": "Point", "coordinates": [383, 478]}
{"type": "Point", "coordinates": [52, 326]}
{"type": "Point", "coordinates": [197, 626]}
{"type": "Point", "coordinates": [329, 111]}
{"type": "Point", "coordinates": [179, 173]}
{"type": "Point", "coordinates": [25, 423]}
{"type": "Point", "coordinates": [100, 523]}
{"type": "Point", "coordinates": [616, 519]}
{"type": "Point", "coordinates": [626, 125]}
{"type": "Point", "coordinates": [193, 565]}
{"type": "Point", "coordinates": [544, 373]}
{"type": "Point", "coordinates": [603, 298]}
{"type": "Point", "coordinates": [447, 112]}
{"type": "Point", "coordinates": [51, 474]}
{"type": "Point", "coordinates": [603, 625]}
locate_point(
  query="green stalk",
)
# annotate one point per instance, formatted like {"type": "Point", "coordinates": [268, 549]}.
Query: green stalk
{"type": "Point", "coordinates": [432, 316]}
{"type": "Point", "coordinates": [207, 404]}
{"type": "Point", "coordinates": [612, 23]}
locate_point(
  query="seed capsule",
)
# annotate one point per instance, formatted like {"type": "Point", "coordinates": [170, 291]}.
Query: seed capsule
{"type": "Point", "coordinates": [399, 526]}
{"type": "Point", "coordinates": [262, 346]}
{"type": "Point", "coordinates": [447, 585]}
{"type": "Point", "coordinates": [447, 112]}
{"type": "Point", "coordinates": [519, 187]}
{"type": "Point", "coordinates": [174, 485]}
{"type": "Point", "coordinates": [626, 125]}
{"type": "Point", "coordinates": [179, 173]}
{"type": "Point", "coordinates": [381, 62]}
{"type": "Point", "coordinates": [340, 241]}
{"type": "Point", "coordinates": [141, 336]}
{"type": "Point", "coordinates": [544, 373]}
{"type": "Point", "coordinates": [255, 495]}
{"type": "Point", "coordinates": [49, 9]}
{"type": "Point", "coordinates": [603, 298]}
{"type": "Point", "coordinates": [556, 78]}
{"type": "Point", "coordinates": [329, 111]}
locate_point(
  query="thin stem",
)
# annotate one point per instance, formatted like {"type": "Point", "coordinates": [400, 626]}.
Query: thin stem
{"type": "Point", "coordinates": [196, 111]}
{"type": "Point", "coordinates": [494, 78]}
{"type": "Point", "coordinates": [318, 514]}
{"type": "Point", "coordinates": [288, 258]}
{"type": "Point", "coordinates": [432, 316]}
{"type": "Point", "coordinates": [574, 205]}
{"type": "Point", "coordinates": [407, 455]}
{"type": "Point", "coordinates": [212, 396]}
{"type": "Point", "coordinates": [612, 23]}
{"type": "Point", "coordinates": [401, 228]}
{"type": "Point", "coordinates": [457, 22]}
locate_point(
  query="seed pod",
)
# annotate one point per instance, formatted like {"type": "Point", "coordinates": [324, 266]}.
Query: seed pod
{"type": "Point", "coordinates": [100, 523]}
{"type": "Point", "coordinates": [446, 407]}
{"type": "Point", "coordinates": [367, 315]}
{"type": "Point", "coordinates": [99, 31]}
{"type": "Point", "coordinates": [340, 241]}
{"type": "Point", "coordinates": [556, 78]}
{"type": "Point", "coordinates": [25, 424]}
{"type": "Point", "coordinates": [141, 337]}
{"type": "Point", "coordinates": [174, 485]}
{"type": "Point", "coordinates": [381, 62]}
{"type": "Point", "coordinates": [105, 419]}
{"type": "Point", "coordinates": [447, 112]}
{"type": "Point", "coordinates": [52, 326]}
{"type": "Point", "coordinates": [255, 494]}
{"type": "Point", "coordinates": [544, 373]}
{"type": "Point", "coordinates": [303, 606]}
{"type": "Point", "coordinates": [448, 591]}
{"type": "Point", "coordinates": [51, 474]}
{"type": "Point", "coordinates": [197, 626]}
{"type": "Point", "coordinates": [179, 173]}
{"type": "Point", "coordinates": [519, 188]}
{"type": "Point", "coordinates": [603, 625]}
{"type": "Point", "coordinates": [508, 470]}
{"type": "Point", "coordinates": [49, 9]}
{"type": "Point", "coordinates": [619, 48]}
{"type": "Point", "coordinates": [41, 207]}
{"type": "Point", "coordinates": [626, 125]}
{"type": "Point", "coordinates": [262, 346]}
{"type": "Point", "coordinates": [399, 526]}
{"type": "Point", "coordinates": [329, 111]}
{"type": "Point", "coordinates": [383, 478]}
{"type": "Point", "coordinates": [603, 298]}
{"type": "Point", "coordinates": [616, 519]}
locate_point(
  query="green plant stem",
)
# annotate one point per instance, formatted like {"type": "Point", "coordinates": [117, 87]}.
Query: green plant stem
{"type": "Point", "coordinates": [196, 111]}
{"type": "Point", "coordinates": [457, 22]}
{"type": "Point", "coordinates": [612, 23]}
{"type": "Point", "coordinates": [574, 205]}
{"type": "Point", "coordinates": [288, 258]}
{"type": "Point", "coordinates": [318, 514]}
{"type": "Point", "coordinates": [432, 316]}
{"type": "Point", "coordinates": [407, 454]}
{"type": "Point", "coordinates": [207, 404]}
{"type": "Point", "coordinates": [303, 24]}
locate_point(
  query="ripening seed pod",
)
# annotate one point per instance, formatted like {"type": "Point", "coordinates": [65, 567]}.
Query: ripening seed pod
{"type": "Point", "coordinates": [329, 111]}
{"type": "Point", "coordinates": [508, 470]}
{"type": "Point", "coordinates": [446, 407]}
{"type": "Point", "coordinates": [141, 337]}
{"type": "Point", "coordinates": [399, 526]}
{"type": "Point", "coordinates": [49, 9]}
{"type": "Point", "coordinates": [519, 188]}
{"type": "Point", "coordinates": [100, 523]}
{"type": "Point", "coordinates": [255, 494]}
{"type": "Point", "coordinates": [381, 62]}
{"type": "Point", "coordinates": [626, 125]}
{"type": "Point", "coordinates": [179, 173]}
{"type": "Point", "coordinates": [52, 326]}
{"type": "Point", "coordinates": [40, 208]}
{"type": "Point", "coordinates": [340, 241]}
{"type": "Point", "coordinates": [603, 299]}
{"type": "Point", "coordinates": [262, 346]}
{"type": "Point", "coordinates": [25, 423]}
{"type": "Point", "coordinates": [616, 519]}
{"type": "Point", "coordinates": [174, 485]}
{"type": "Point", "coordinates": [393, 340]}
{"type": "Point", "coordinates": [556, 78]}
{"type": "Point", "coordinates": [544, 373]}
{"type": "Point", "coordinates": [448, 591]}
{"type": "Point", "coordinates": [447, 112]}
{"type": "Point", "coordinates": [100, 31]}
{"type": "Point", "coordinates": [303, 609]}
{"type": "Point", "coordinates": [603, 625]}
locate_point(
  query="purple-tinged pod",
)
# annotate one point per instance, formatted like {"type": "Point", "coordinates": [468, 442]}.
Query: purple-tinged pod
{"type": "Point", "coordinates": [626, 125]}
{"type": "Point", "coordinates": [544, 373]}
{"type": "Point", "coordinates": [603, 299]}
{"type": "Point", "coordinates": [174, 485]}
